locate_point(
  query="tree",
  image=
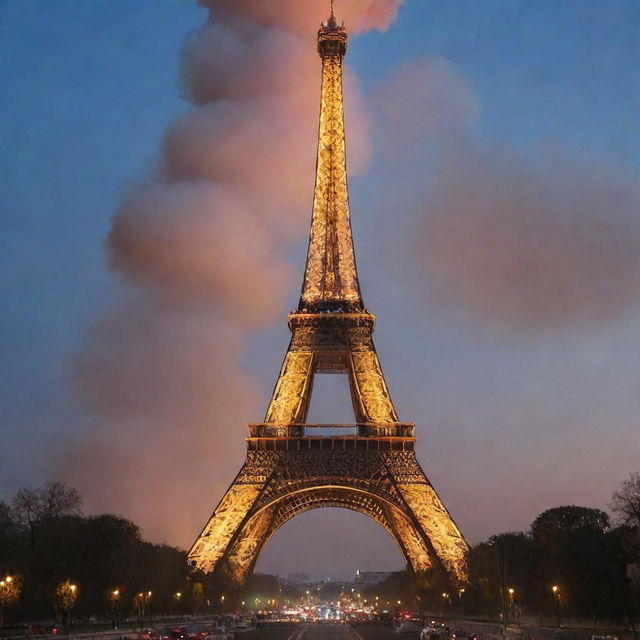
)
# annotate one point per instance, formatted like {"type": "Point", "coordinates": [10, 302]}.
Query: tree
{"type": "Point", "coordinates": [53, 500]}
{"type": "Point", "coordinates": [568, 520]}
{"type": "Point", "coordinates": [571, 553]}
{"type": "Point", "coordinates": [505, 561]}
{"type": "Point", "coordinates": [625, 503]}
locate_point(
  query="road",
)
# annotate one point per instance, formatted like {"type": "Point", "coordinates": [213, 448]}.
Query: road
{"type": "Point", "coordinates": [321, 632]}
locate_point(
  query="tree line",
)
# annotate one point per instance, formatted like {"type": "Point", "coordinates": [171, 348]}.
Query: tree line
{"type": "Point", "coordinates": [573, 561]}
{"type": "Point", "coordinates": [46, 543]}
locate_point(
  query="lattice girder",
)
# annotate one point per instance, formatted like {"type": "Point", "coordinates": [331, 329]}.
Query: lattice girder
{"type": "Point", "coordinates": [388, 487]}
{"type": "Point", "coordinates": [330, 277]}
{"type": "Point", "coordinates": [322, 344]}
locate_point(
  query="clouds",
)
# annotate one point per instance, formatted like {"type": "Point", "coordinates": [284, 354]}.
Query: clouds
{"type": "Point", "coordinates": [545, 243]}
{"type": "Point", "coordinates": [424, 97]}
{"type": "Point", "coordinates": [553, 247]}
{"type": "Point", "coordinates": [197, 242]}
{"type": "Point", "coordinates": [297, 15]}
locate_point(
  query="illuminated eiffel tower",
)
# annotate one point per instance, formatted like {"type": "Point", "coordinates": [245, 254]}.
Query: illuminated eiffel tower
{"type": "Point", "coordinates": [288, 469]}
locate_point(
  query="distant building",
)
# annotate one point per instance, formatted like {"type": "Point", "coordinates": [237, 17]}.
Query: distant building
{"type": "Point", "coordinates": [298, 580]}
{"type": "Point", "coordinates": [371, 578]}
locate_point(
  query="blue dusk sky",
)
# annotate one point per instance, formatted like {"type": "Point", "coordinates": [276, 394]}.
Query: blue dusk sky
{"type": "Point", "coordinates": [497, 230]}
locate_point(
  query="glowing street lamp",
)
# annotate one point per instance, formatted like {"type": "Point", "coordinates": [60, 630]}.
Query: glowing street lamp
{"type": "Point", "coordinates": [510, 593]}
{"type": "Point", "coordinates": [114, 597]}
{"type": "Point", "coordinates": [10, 590]}
{"type": "Point", "coordinates": [148, 603]}
{"type": "Point", "coordinates": [67, 594]}
{"type": "Point", "coordinates": [555, 589]}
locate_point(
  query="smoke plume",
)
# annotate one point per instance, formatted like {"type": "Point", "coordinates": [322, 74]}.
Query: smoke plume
{"type": "Point", "coordinates": [199, 247]}
{"type": "Point", "coordinates": [532, 248]}
{"type": "Point", "coordinates": [551, 243]}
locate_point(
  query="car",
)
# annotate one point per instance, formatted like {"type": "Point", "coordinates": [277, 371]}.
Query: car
{"type": "Point", "coordinates": [220, 633]}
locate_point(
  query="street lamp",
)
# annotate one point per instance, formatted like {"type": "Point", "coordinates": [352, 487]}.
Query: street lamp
{"type": "Point", "coordinates": [445, 597]}
{"type": "Point", "coordinates": [67, 594]}
{"type": "Point", "coordinates": [10, 591]}
{"type": "Point", "coordinates": [114, 596]}
{"type": "Point", "coordinates": [148, 603]}
{"type": "Point", "coordinates": [555, 589]}
{"type": "Point", "coordinates": [510, 593]}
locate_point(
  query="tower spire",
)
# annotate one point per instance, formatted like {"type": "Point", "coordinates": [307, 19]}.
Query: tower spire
{"type": "Point", "coordinates": [331, 279]}
{"type": "Point", "coordinates": [332, 18]}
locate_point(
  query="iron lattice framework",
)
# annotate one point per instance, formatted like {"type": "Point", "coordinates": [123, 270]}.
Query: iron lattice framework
{"type": "Point", "coordinates": [288, 470]}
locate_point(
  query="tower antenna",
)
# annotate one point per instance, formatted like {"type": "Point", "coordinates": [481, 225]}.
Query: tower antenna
{"type": "Point", "coordinates": [332, 18]}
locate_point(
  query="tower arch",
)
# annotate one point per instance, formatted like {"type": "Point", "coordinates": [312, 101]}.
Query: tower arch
{"type": "Point", "coordinates": [257, 529]}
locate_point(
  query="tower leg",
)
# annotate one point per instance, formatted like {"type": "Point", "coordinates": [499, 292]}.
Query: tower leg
{"type": "Point", "coordinates": [427, 511]}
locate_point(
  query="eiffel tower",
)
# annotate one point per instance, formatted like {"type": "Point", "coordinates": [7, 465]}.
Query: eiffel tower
{"type": "Point", "coordinates": [288, 469]}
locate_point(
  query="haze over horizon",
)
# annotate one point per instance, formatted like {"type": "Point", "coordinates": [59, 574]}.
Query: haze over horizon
{"type": "Point", "coordinates": [494, 157]}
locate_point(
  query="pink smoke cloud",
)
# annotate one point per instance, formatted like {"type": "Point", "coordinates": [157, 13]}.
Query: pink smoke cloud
{"type": "Point", "coordinates": [199, 248]}
{"type": "Point", "coordinates": [424, 97]}
{"type": "Point", "coordinates": [170, 403]}
{"type": "Point", "coordinates": [198, 242]}
{"type": "Point", "coordinates": [297, 15]}
{"type": "Point", "coordinates": [532, 248]}
{"type": "Point", "coordinates": [549, 245]}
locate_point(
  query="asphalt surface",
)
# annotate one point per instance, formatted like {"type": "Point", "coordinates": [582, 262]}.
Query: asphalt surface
{"type": "Point", "coordinates": [319, 631]}
{"type": "Point", "coordinates": [325, 632]}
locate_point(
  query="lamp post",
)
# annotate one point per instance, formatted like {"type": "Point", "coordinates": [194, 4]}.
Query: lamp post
{"type": "Point", "coordinates": [148, 596]}
{"type": "Point", "coordinates": [114, 597]}
{"type": "Point", "coordinates": [138, 601]}
{"type": "Point", "coordinates": [510, 595]}
{"type": "Point", "coordinates": [555, 589]}
{"type": "Point", "coordinates": [445, 601]}
{"type": "Point", "coordinates": [10, 590]}
{"type": "Point", "coordinates": [141, 601]}
{"type": "Point", "coordinates": [176, 599]}
{"type": "Point", "coordinates": [67, 594]}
